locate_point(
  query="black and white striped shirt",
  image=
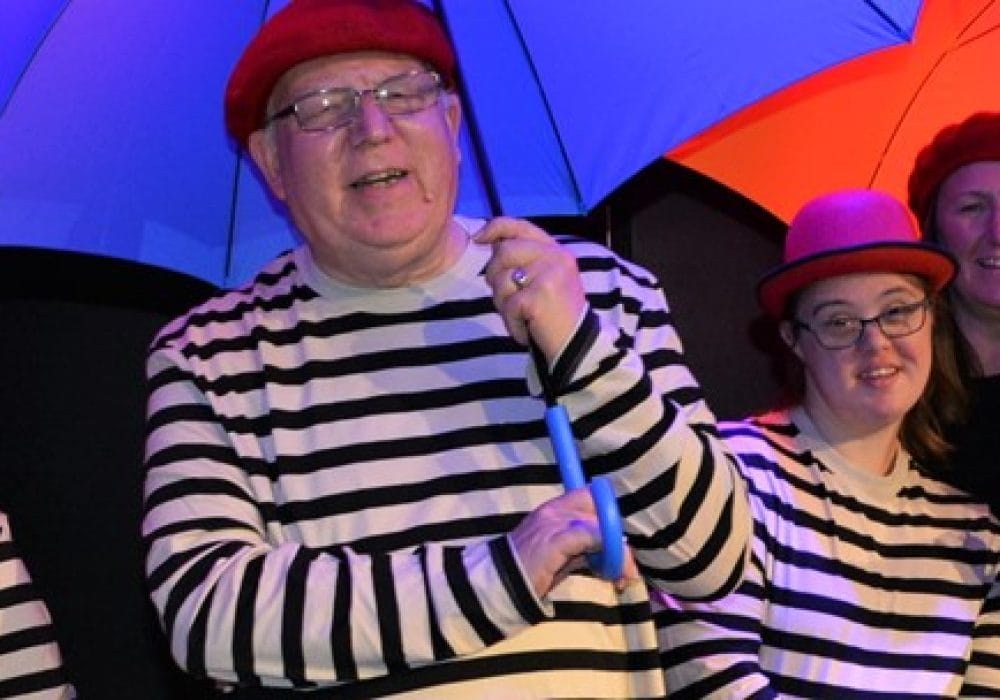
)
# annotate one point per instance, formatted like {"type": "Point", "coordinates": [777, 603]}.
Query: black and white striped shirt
{"type": "Point", "coordinates": [860, 586]}
{"type": "Point", "coordinates": [30, 661]}
{"type": "Point", "coordinates": [332, 472]}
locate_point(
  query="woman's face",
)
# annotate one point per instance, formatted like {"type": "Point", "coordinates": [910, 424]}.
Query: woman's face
{"type": "Point", "coordinates": [968, 226]}
{"type": "Point", "coordinates": [873, 383]}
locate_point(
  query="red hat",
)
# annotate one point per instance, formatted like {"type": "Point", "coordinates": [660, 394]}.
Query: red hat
{"type": "Point", "coordinates": [846, 232]}
{"type": "Point", "coordinates": [307, 29]}
{"type": "Point", "coordinates": [975, 139]}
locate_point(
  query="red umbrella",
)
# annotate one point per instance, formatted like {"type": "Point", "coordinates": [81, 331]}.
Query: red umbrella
{"type": "Point", "coordinates": [859, 124]}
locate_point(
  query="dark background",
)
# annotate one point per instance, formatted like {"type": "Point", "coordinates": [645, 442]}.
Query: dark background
{"type": "Point", "coordinates": [75, 331]}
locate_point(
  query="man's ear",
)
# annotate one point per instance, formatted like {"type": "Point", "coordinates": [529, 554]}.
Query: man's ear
{"type": "Point", "coordinates": [264, 152]}
{"type": "Point", "coordinates": [453, 116]}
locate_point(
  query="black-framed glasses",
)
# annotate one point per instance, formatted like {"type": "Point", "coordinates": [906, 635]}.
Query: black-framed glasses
{"type": "Point", "coordinates": [838, 331]}
{"type": "Point", "coordinates": [332, 108]}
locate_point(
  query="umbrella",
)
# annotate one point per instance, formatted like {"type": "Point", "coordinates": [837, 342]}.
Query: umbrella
{"type": "Point", "coordinates": [111, 137]}
{"type": "Point", "coordinates": [859, 124]}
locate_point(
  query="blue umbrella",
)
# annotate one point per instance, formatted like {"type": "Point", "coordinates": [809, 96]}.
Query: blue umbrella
{"type": "Point", "coordinates": [111, 136]}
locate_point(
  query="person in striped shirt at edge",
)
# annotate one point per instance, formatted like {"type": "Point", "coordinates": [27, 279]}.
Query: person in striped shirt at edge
{"type": "Point", "coordinates": [870, 577]}
{"type": "Point", "coordinates": [31, 665]}
{"type": "Point", "coordinates": [349, 486]}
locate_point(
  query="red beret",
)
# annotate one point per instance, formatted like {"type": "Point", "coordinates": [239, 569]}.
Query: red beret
{"type": "Point", "coordinates": [975, 139]}
{"type": "Point", "coordinates": [845, 232]}
{"type": "Point", "coordinates": [307, 29]}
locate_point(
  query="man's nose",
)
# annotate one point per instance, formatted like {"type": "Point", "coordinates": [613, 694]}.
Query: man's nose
{"type": "Point", "coordinates": [369, 123]}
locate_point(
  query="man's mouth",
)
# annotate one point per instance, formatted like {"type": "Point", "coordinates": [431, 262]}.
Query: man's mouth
{"type": "Point", "coordinates": [990, 262]}
{"type": "Point", "coordinates": [380, 178]}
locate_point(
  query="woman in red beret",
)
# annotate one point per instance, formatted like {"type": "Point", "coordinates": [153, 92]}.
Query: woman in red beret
{"type": "Point", "coordinates": [870, 577]}
{"type": "Point", "coordinates": [955, 193]}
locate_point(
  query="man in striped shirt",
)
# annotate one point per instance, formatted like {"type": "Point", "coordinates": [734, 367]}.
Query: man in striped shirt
{"type": "Point", "coordinates": [349, 486]}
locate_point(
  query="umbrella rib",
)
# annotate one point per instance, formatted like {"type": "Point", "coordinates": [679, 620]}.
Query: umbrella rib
{"type": "Point", "coordinates": [888, 19]}
{"type": "Point", "coordinates": [958, 42]}
{"type": "Point", "coordinates": [475, 133]}
{"type": "Point", "coordinates": [31, 59]}
{"type": "Point", "coordinates": [963, 40]}
{"type": "Point", "coordinates": [234, 202]}
{"type": "Point", "coordinates": [548, 107]}
{"type": "Point", "coordinates": [231, 233]}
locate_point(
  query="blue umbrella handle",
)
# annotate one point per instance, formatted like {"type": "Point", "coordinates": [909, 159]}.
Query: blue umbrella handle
{"type": "Point", "coordinates": [610, 561]}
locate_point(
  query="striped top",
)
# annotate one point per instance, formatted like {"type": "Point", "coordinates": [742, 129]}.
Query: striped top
{"type": "Point", "coordinates": [30, 662]}
{"type": "Point", "coordinates": [332, 471]}
{"type": "Point", "coordinates": [859, 586]}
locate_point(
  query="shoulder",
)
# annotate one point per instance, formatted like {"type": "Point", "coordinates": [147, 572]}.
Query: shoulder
{"type": "Point", "coordinates": [231, 312]}
{"type": "Point", "coordinates": [940, 487]}
{"type": "Point", "coordinates": [776, 427]}
{"type": "Point", "coordinates": [766, 445]}
{"type": "Point", "coordinates": [596, 256]}
{"type": "Point", "coordinates": [603, 270]}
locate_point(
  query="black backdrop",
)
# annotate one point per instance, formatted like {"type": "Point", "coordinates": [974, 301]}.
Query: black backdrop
{"type": "Point", "coordinates": [75, 330]}
{"type": "Point", "coordinates": [74, 333]}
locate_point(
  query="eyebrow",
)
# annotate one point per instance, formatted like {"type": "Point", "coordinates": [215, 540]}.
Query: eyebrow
{"type": "Point", "coordinates": [977, 193]}
{"type": "Point", "coordinates": [838, 302]}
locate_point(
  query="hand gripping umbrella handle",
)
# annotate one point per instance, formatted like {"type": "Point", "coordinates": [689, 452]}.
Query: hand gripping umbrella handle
{"type": "Point", "coordinates": [610, 561]}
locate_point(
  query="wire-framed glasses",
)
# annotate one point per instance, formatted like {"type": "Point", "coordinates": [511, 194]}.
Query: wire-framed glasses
{"type": "Point", "coordinates": [839, 331]}
{"type": "Point", "coordinates": [332, 108]}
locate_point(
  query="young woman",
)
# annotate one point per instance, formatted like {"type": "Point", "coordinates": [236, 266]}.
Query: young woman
{"type": "Point", "coordinates": [869, 577]}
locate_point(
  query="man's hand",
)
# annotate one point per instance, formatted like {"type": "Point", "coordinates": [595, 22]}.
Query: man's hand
{"type": "Point", "coordinates": [535, 282]}
{"type": "Point", "coordinates": [554, 539]}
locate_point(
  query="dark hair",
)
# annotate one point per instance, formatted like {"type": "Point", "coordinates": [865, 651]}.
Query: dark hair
{"type": "Point", "coordinates": [943, 402]}
{"type": "Point", "coordinates": [945, 399]}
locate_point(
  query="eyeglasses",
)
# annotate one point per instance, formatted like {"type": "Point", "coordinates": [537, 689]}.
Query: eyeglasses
{"type": "Point", "coordinates": [332, 108]}
{"type": "Point", "coordinates": [840, 332]}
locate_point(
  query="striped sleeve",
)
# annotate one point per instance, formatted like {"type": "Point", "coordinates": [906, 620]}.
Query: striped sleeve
{"type": "Point", "coordinates": [640, 418]}
{"type": "Point", "coordinates": [30, 662]}
{"type": "Point", "coordinates": [711, 650]}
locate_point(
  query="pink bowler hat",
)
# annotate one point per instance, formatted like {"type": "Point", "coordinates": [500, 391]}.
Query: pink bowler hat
{"type": "Point", "coordinates": [846, 232]}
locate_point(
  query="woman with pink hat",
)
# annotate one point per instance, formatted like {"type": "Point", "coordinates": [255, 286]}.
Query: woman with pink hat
{"type": "Point", "coordinates": [870, 577]}
{"type": "Point", "coordinates": [954, 190]}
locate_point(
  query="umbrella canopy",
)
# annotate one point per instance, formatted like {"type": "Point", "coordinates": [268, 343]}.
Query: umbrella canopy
{"type": "Point", "coordinates": [111, 136]}
{"type": "Point", "coordinates": [862, 123]}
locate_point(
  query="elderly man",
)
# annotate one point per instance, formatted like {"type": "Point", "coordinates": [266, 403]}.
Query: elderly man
{"type": "Point", "coordinates": [348, 480]}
